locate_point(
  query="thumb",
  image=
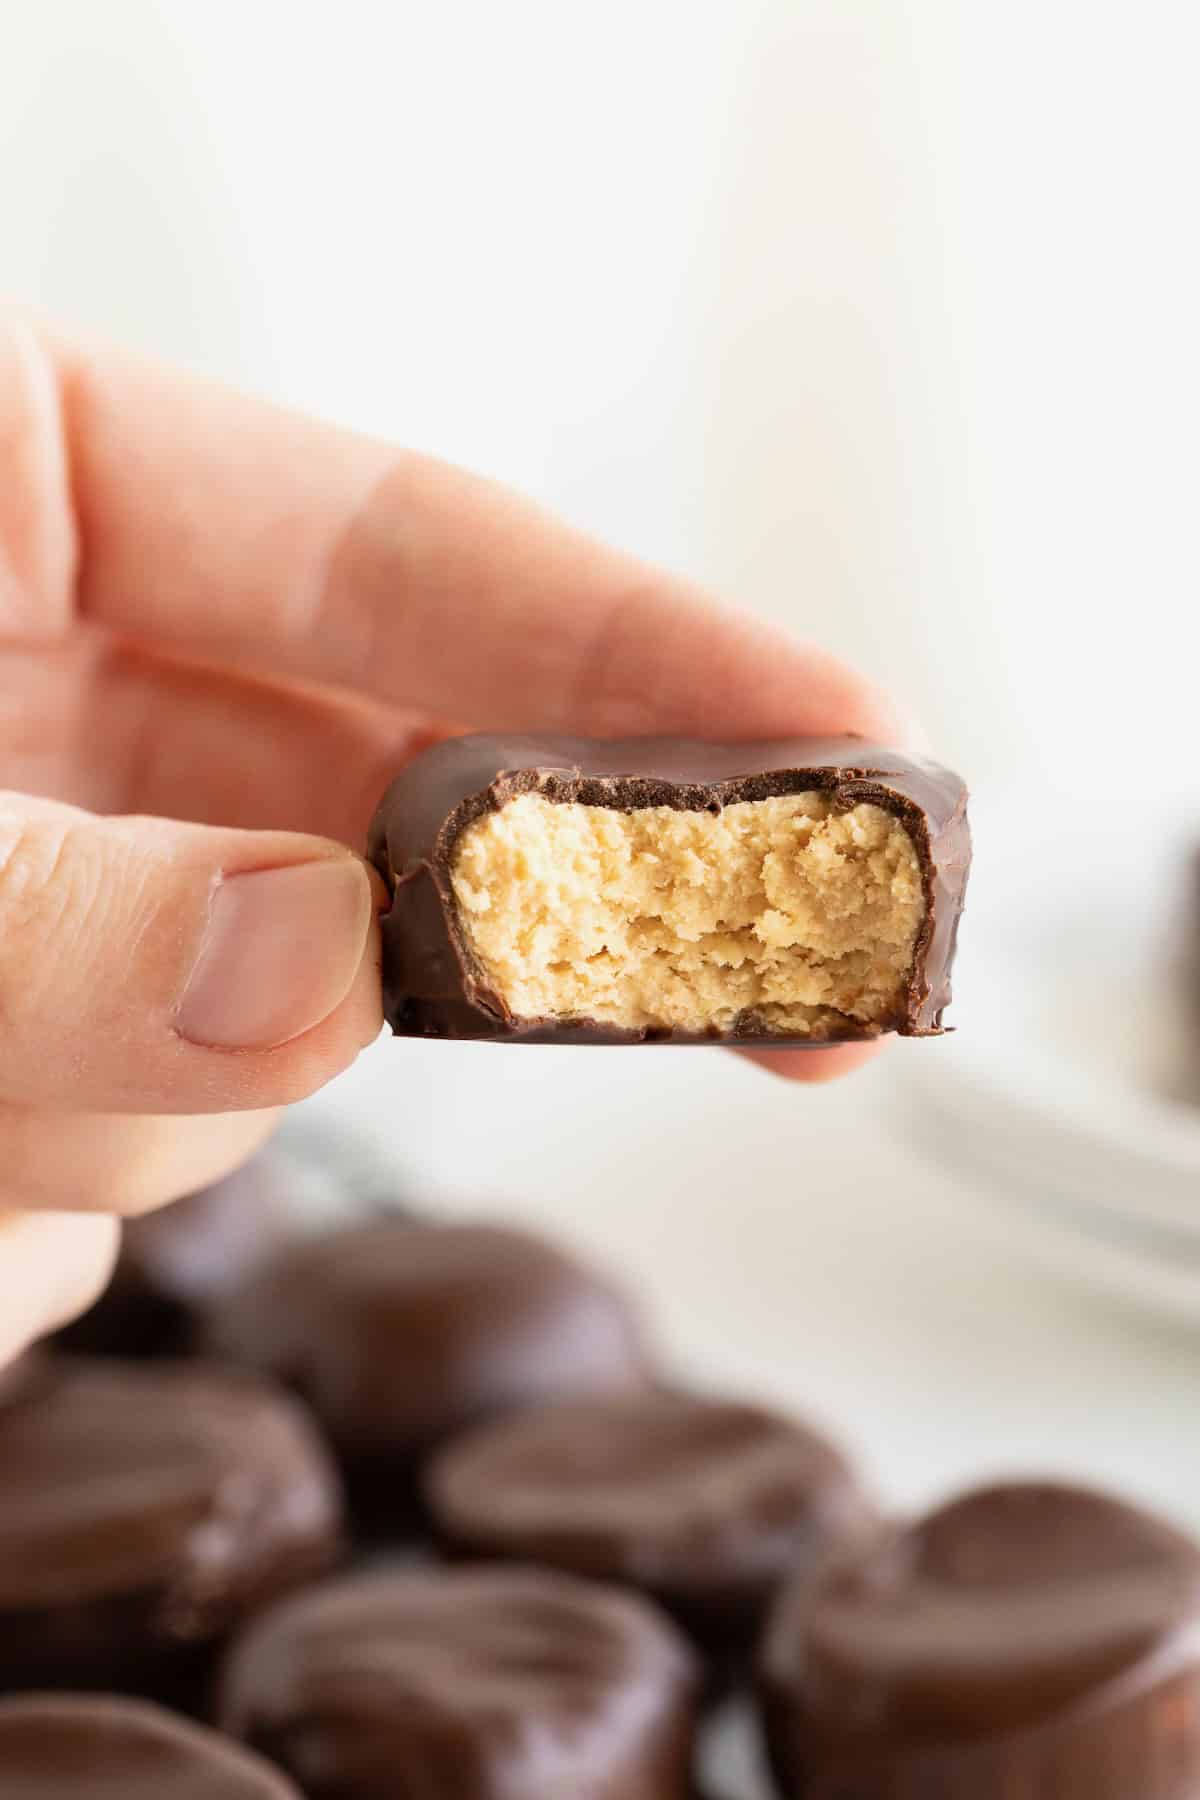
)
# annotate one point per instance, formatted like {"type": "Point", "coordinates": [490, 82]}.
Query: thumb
{"type": "Point", "coordinates": [152, 966]}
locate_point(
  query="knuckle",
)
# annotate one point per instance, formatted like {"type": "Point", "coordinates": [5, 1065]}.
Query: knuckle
{"type": "Point", "coordinates": [30, 902]}
{"type": "Point", "coordinates": [21, 850]}
{"type": "Point", "coordinates": [34, 854]}
{"type": "Point", "coordinates": [23, 929]}
{"type": "Point", "coordinates": [51, 887]}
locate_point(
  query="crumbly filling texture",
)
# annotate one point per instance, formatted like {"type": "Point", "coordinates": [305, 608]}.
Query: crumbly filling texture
{"type": "Point", "coordinates": [781, 908]}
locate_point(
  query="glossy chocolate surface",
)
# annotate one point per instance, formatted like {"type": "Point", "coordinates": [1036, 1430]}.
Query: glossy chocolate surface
{"type": "Point", "coordinates": [401, 1332]}
{"type": "Point", "coordinates": [1029, 1640]}
{"type": "Point", "coordinates": [432, 987]}
{"type": "Point", "coordinates": [707, 1505]}
{"type": "Point", "coordinates": [481, 1684]}
{"type": "Point", "coordinates": [99, 1747]}
{"type": "Point", "coordinates": [144, 1511]}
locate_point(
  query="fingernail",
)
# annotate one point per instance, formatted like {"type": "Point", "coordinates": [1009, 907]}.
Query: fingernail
{"type": "Point", "coordinates": [280, 953]}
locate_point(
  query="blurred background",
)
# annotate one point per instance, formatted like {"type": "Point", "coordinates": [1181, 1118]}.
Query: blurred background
{"type": "Point", "coordinates": [879, 316]}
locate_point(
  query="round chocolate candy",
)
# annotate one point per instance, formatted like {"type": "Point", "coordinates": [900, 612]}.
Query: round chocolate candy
{"type": "Point", "coordinates": [178, 1258]}
{"type": "Point", "coordinates": [480, 1683]}
{"type": "Point", "coordinates": [706, 1504]}
{"type": "Point", "coordinates": [399, 1333]}
{"type": "Point", "coordinates": [145, 1509]}
{"type": "Point", "coordinates": [1031, 1640]}
{"type": "Point", "coordinates": [98, 1747]}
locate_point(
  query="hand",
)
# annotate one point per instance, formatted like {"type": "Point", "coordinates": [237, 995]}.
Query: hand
{"type": "Point", "coordinates": [212, 611]}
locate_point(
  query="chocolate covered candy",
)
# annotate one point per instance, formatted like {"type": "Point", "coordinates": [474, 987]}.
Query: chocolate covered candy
{"type": "Point", "coordinates": [708, 1505]}
{"type": "Point", "coordinates": [145, 1509]}
{"type": "Point", "coordinates": [98, 1747]}
{"type": "Point", "coordinates": [178, 1258]}
{"type": "Point", "coordinates": [565, 891]}
{"type": "Point", "coordinates": [401, 1332]}
{"type": "Point", "coordinates": [481, 1684]}
{"type": "Point", "coordinates": [1030, 1640]}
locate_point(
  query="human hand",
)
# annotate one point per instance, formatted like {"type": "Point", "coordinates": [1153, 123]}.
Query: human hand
{"type": "Point", "coordinates": [222, 628]}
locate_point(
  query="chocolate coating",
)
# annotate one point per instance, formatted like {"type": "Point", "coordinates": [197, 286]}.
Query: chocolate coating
{"type": "Point", "coordinates": [144, 1511]}
{"type": "Point", "coordinates": [707, 1505]}
{"type": "Point", "coordinates": [1029, 1640]}
{"type": "Point", "coordinates": [401, 1332]}
{"type": "Point", "coordinates": [431, 983]}
{"type": "Point", "coordinates": [481, 1684]}
{"type": "Point", "coordinates": [175, 1259]}
{"type": "Point", "coordinates": [98, 1747]}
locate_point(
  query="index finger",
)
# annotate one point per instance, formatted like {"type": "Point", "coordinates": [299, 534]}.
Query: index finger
{"type": "Point", "coordinates": [227, 528]}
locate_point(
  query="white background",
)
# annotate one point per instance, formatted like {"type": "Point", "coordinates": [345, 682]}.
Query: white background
{"type": "Point", "coordinates": [880, 316]}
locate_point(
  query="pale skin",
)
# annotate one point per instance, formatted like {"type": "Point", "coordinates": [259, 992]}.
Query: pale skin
{"type": "Point", "coordinates": [222, 629]}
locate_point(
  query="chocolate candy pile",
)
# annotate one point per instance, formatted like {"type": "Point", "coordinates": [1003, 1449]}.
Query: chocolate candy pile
{"type": "Point", "coordinates": [409, 1509]}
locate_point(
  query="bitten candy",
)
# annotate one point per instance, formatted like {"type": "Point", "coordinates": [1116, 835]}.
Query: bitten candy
{"type": "Point", "coordinates": [99, 1747]}
{"type": "Point", "coordinates": [1032, 1640]}
{"type": "Point", "coordinates": [475, 1684]}
{"type": "Point", "coordinates": [708, 1505]}
{"type": "Point", "coordinates": [556, 890]}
